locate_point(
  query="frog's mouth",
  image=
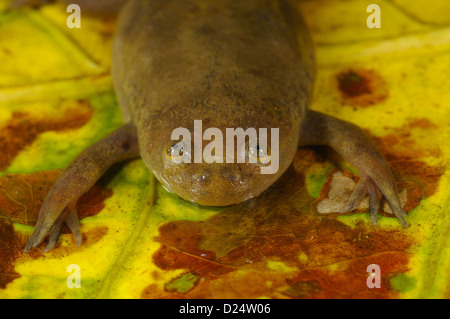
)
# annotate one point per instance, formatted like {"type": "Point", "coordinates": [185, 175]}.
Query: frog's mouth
{"type": "Point", "coordinates": [214, 184]}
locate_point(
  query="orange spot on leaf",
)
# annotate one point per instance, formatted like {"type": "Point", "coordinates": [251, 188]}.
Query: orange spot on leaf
{"type": "Point", "coordinates": [22, 129]}
{"type": "Point", "coordinates": [361, 87]}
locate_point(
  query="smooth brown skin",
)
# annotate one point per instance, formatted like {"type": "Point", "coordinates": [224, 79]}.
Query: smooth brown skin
{"type": "Point", "coordinates": [230, 64]}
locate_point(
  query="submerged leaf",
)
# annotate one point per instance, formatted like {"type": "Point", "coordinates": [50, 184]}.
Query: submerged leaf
{"type": "Point", "coordinates": [140, 241]}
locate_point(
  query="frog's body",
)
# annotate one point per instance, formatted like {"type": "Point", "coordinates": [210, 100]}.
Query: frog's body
{"type": "Point", "coordinates": [228, 63]}
{"type": "Point", "coordinates": [231, 64]}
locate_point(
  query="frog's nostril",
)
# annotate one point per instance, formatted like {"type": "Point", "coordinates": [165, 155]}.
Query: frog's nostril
{"type": "Point", "coordinates": [230, 175]}
{"type": "Point", "coordinates": [200, 177]}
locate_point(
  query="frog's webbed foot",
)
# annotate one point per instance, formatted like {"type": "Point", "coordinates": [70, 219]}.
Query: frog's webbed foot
{"type": "Point", "coordinates": [367, 186]}
{"type": "Point", "coordinates": [358, 149]}
{"type": "Point", "coordinates": [60, 204]}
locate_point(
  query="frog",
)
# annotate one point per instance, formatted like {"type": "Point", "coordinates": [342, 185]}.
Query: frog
{"type": "Point", "coordinates": [248, 64]}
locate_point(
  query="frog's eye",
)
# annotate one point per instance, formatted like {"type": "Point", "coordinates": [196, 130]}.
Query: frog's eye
{"type": "Point", "coordinates": [176, 151]}
{"type": "Point", "coordinates": [257, 152]}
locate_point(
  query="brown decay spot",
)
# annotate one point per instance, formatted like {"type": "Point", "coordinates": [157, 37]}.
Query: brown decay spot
{"type": "Point", "coordinates": [7, 252]}
{"type": "Point", "coordinates": [422, 123]}
{"type": "Point", "coordinates": [21, 197]}
{"type": "Point", "coordinates": [361, 87]}
{"type": "Point", "coordinates": [229, 250]}
{"type": "Point", "coordinates": [23, 128]}
{"type": "Point", "coordinates": [401, 152]}
{"type": "Point", "coordinates": [6, 51]}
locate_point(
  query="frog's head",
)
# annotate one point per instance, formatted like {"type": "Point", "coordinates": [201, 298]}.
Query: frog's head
{"type": "Point", "coordinates": [204, 167]}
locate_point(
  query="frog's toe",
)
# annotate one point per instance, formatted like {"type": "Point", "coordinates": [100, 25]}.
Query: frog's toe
{"type": "Point", "coordinates": [70, 218]}
{"type": "Point", "coordinates": [55, 231]}
{"type": "Point", "coordinates": [374, 202]}
{"type": "Point", "coordinates": [383, 185]}
{"type": "Point", "coordinates": [397, 209]}
{"type": "Point", "coordinates": [367, 185]}
{"type": "Point", "coordinates": [36, 238]}
{"type": "Point", "coordinates": [73, 224]}
{"type": "Point", "coordinates": [358, 194]}
{"type": "Point", "coordinates": [45, 226]}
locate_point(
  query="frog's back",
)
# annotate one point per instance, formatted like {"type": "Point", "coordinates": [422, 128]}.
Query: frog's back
{"type": "Point", "coordinates": [227, 62]}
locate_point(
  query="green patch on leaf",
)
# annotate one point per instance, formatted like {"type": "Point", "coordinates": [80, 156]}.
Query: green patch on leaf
{"type": "Point", "coordinates": [182, 284]}
{"type": "Point", "coordinates": [403, 282]}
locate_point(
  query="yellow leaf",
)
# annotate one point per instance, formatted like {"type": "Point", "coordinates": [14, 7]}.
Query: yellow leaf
{"type": "Point", "coordinates": [139, 241]}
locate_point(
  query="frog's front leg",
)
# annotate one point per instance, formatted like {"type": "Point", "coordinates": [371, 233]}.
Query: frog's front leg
{"type": "Point", "coordinates": [358, 149]}
{"type": "Point", "coordinates": [77, 179]}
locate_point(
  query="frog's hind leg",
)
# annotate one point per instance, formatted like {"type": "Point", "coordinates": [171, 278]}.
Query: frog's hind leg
{"type": "Point", "coordinates": [77, 179]}
{"type": "Point", "coordinates": [357, 148]}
